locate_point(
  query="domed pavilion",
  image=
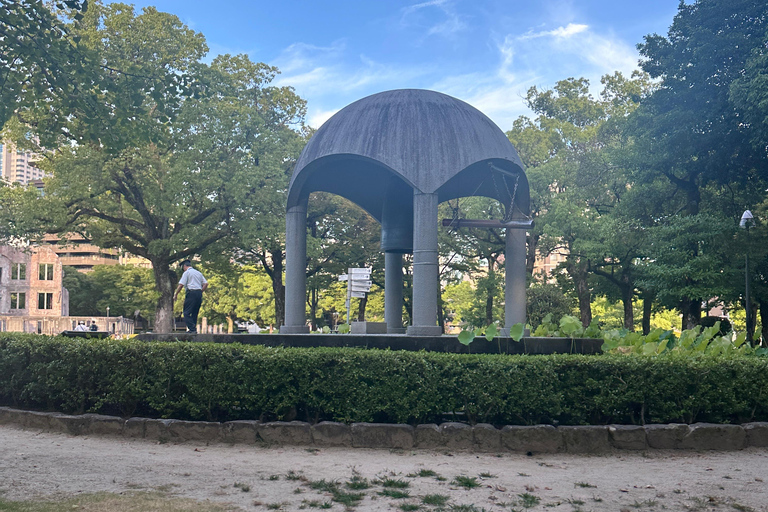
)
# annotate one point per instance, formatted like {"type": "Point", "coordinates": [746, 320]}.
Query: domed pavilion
{"type": "Point", "coordinates": [398, 154]}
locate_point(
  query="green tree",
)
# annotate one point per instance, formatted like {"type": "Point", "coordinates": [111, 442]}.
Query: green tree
{"type": "Point", "coordinates": [175, 170]}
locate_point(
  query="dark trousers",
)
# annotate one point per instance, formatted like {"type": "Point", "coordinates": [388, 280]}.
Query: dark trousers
{"type": "Point", "coordinates": [192, 301]}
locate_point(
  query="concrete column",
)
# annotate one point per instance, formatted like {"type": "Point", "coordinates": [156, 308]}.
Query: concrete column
{"type": "Point", "coordinates": [295, 271]}
{"type": "Point", "coordinates": [514, 266]}
{"type": "Point", "coordinates": [425, 271]}
{"type": "Point", "coordinates": [393, 292]}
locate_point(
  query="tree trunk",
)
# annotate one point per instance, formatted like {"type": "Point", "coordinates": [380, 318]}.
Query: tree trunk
{"type": "Point", "coordinates": [578, 272]}
{"type": "Point", "coordinates": [230, 324]}
{"type": "Point", "coordinates": [165, 282]}
{"type": "Point", "coordinates": [530, 254]}
{"type": "Point", "coordinates": [440, 307]}
{"type": "Point", "coordinates": [627, 294]}
{"type": "Point", "coordinates": [647, 309]}
{"type": "Point", "coordinates": [691, 309]}
{"type": "Point", "coordinates": [361, 308]}
{"type": "Point", "coordinates": [764, 319]}
{"type": "Point", "coordinates": [313, 301]}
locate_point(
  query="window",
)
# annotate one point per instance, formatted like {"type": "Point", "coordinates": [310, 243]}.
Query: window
{"type": "Point", "coordinates": [18, 300]}
{"type": "Point", "coordinates": [46, 272]}
{"type": "Point", "coordinates": [44, 301]}
{"type": "Point", "coordinates": [19, 271]}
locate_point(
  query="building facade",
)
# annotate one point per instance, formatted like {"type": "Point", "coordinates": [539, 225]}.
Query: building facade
{"type": "Point", "coordinates": [17, 166]}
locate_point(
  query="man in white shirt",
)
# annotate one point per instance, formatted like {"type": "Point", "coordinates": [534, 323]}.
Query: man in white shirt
{"type": "Point", "coordinates": [80, 326]}
{"type": "Point", "coordinates": [195, 284]}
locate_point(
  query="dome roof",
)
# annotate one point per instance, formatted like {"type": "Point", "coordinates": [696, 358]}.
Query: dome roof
{"type": "Point", "coordinates": [424, 138]}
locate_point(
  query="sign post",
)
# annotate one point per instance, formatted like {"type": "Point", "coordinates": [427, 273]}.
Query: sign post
{"type": "Point", "coordinates": [358, 284]}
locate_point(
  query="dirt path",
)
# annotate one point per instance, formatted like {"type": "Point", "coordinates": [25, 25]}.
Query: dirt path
{"type": "Point", "coordinates": [34, 464]}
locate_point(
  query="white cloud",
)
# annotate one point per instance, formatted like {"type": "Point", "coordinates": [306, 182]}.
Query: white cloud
{"type": "Point", "coordinates": [560, 32]}
{"type": "Point", "coordinates": [451, 25]}
{"type": "Point", "coordinates": [316, 118]}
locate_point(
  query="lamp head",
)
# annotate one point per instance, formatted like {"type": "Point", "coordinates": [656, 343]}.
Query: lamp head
{"type": "Point", "coordinates": [746, 218]}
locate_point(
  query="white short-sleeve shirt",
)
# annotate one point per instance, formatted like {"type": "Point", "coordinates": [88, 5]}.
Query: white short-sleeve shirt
{"type": "Point", "coordinates": [192, 279]}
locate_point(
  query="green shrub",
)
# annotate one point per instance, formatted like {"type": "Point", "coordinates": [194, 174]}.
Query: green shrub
{"type": "Point", "coordinates": [221, 382]}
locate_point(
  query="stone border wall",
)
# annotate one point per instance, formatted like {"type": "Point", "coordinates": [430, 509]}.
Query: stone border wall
{"type": "Point", "coordinates": [447, 436]}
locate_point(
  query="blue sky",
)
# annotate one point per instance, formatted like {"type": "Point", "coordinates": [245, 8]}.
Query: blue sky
{"type": "Point", "coordinates": [485, 52]}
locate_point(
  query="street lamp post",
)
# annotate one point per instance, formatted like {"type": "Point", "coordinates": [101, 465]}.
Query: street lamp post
{"type": "Point", "coordinates": [107, 329]}
{"type": "Point", "coordinates": [746, 220]}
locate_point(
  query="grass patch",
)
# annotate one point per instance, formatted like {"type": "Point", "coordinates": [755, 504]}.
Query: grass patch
{"type": "Point", "coordinates": [292, 475]}
{"type": "Point", "coordinates": [528, 500]}
{"type": "Point", "coordinates": [435, 499]}
{"type": "Point", "coordinates": [358, 483]}
{"type": "Point", "coordinates": [323, 485]}
{"type": "Point", "coordinates": [395, 483]}
{"type": "Point", "coordinates": [487, 475]}
{"type": "Point", "coordinates": [243, 487]}
{"type": "Point", "coordinates": [468, 482]}
{"type": "Point", "coordinates": [424, 473]}
{"type": "Point", "coordinates": [409, 507]}
{"type": "Point", "coordinates": [108, 502]}
{"type": "Point", "coordinates": [584, 484]}
{"type": "Point", "coordinates": [394, 493]}
{"type": "Point", "coordinates": [348, 499]}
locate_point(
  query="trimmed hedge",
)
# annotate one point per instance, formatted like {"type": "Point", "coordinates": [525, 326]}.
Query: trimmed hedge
{"type": "Point", "coordinates": [215, 382]}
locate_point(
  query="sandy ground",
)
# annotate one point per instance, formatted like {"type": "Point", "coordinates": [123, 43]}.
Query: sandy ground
{"type": "Point", "coordinates": [50, 465]}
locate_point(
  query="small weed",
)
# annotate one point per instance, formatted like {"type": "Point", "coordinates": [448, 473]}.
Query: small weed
{"type": "Point", "coordinates": [326, 505]}
{"type": "Point", "coordinates": [292, 475]}
{"type": "Point", "coordinates": [584, 484]}
{"type": "Point", "coordinates": [409, 507]}
{"type": "Point", "coordinates": [274, 477]}
{"type": "Point", "coordinates": [395, 483]}
{"type": "Point", "coordinates": [298, 490]}
{"type": "Point", "coordinates": [466, 508]}
{"type": "Point", "coordinates": [358, 483]}
{"type": "Point", "coordinates": [487, 475]}
{"type": "Point", "coordinates": [523, 474]}
{"type": "Point", "coordinates": [274, 506]}
{"type": "Point", "coordinates": [528, 500]}
{"type": "Point", "coordinates": [574, 501]}
{"type": "Point", "coordinates": [313, 451]}
{"type": "Point", "coordinates": [646, 503]}
{"type": "Point", "coordinates": [243, 487]}
{"type": "Point", "coordinates": [468, 482]}
{"type": "Point", "coordinates": [742, 508]}
{"type": "Point", "coordinates": [597, 499]}
{"type": "Point", "coordinates": [435, 499]}
{"type": "Point", "coordinates": [440, 478]}
{"type": "Point", "coordinates": [392, 493]}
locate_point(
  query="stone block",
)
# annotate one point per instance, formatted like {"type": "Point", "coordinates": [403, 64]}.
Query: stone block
{"type": "Point", "coordinates": [37, 420]}
{"type": "Point", "coordinates": [382, 435]}
{"type": "Point", "coordinates": [628, 437]}
{"type": "Point", "coordinates": [586, 438]}
{"type": "Point", "coordinates": [757, 434]}
{"type": "Point", "coordinates": [487, 438]}
{"type": "Point", "coordinates": [240, 431]}
{"type": "Point", "coordinates": [70, 424]}
{"type": "Point", "coordinates": [713, 436]}
{"type": "Point", "coordinates": [331, 433]}
{"type": "Point", "coordinates": [101, 425]}
{"type": "Point", "coordinates": [457, 436]}
{"type": "Point", "coordinates": [157, 430]}
{"type": "Point", "coordinates": [8, 415]}
{"type": "Point", "coordinates": [194, 431]}
{"type": "Point", "coordinates": [285, 432]}
{"type": "Point", "coordinates": [666, 437]}
{"type": "Point", "coordinates": [134, 428]}
{"type": "Point", "coordinates": [428, 436]}
{"type": "Point", "coordinates": [534, 439]}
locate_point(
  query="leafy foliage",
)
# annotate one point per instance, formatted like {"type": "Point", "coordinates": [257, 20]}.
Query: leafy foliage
{"type": "Point", "coordinates": [227, 382]}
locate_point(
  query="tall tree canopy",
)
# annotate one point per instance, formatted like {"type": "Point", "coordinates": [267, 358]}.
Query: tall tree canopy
{"type": "Point", "coordinates": [177, 153]}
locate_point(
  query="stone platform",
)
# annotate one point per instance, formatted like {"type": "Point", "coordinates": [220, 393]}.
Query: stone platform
{"type": "Point", "coordinates": [450, 344]}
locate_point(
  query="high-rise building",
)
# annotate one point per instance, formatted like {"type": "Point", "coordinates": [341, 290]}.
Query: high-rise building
{"type": "Point", "coordinates": [16, 166]}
